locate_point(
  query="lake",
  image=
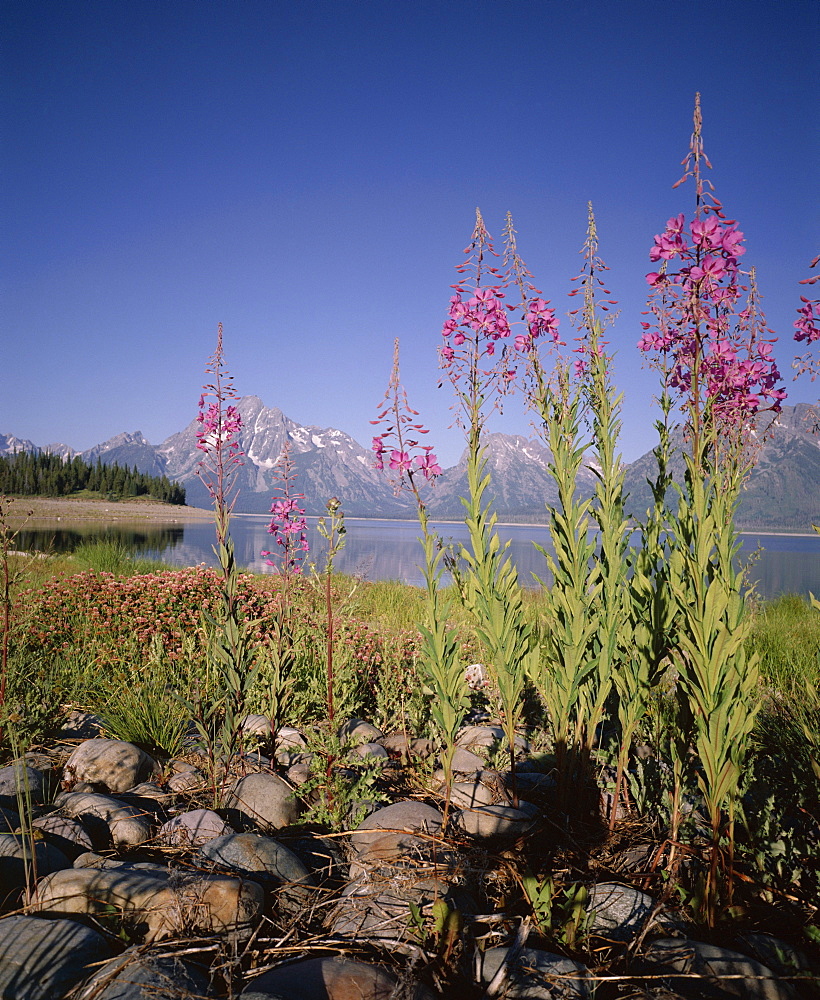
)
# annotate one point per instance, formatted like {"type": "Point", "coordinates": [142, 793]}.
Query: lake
{"type": "Point", "coordinates": [389, 550]}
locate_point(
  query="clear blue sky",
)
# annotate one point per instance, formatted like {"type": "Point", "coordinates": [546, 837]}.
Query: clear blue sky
{"type": "Point", "coordinates": [307, 173]}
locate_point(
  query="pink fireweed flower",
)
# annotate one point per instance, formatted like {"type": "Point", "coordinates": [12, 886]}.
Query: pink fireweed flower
{"type": "Point", "coordinates": [288, 524]}
{"type": "Point", "coordinates": [709, 350]}
{"type": "Point", "coordinates": [807, 324]}
{"type": "Point", "coordinates": [428, 465]}
{"type": "Point", "coordinates": [407, 457]}
{"type": "Point", "coordinates": [400, 460]}
{"type": "Point", "coordinates": [220, 425]}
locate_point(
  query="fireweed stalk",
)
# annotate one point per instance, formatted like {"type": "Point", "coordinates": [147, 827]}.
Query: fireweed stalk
{"type": "Point", "coordinates": [564, 666]}
{"type": "Point", "coordinates": [407, 461]}
{"type": "Point", "coordinates": [714, 356]}
{"type": "Point", "coordinates": [289, 530]}
{"type": "Point", "coordinates": [481, 370]}
{"type": "Point", "coordinates": [612, 636]}
{"type": "Point", "coordinates": [807, 327]}
{"type": "Point", "coordinates": [229, 641]}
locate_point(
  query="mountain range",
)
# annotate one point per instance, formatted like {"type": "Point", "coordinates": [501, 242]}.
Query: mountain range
{"type": "Point", "coordinates": [783, 492]}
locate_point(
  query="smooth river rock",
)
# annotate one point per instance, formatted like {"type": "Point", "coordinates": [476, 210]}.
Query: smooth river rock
{"type": "Point", "coordinates": [44, 959]}
{"type": "Point", "coordinates": [113, 764]}
{"type": "Point", "coordinates": [201, 905]}
{"type": "Point", "coordinates": [330, 979]}
{"type": "Point", "coordinates": [264, 799]}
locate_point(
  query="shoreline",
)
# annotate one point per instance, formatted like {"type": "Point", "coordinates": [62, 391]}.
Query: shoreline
{"type": "Point", "coordinates": [65, 508]}
{"type": "Point", "coordinates": [138, 509]}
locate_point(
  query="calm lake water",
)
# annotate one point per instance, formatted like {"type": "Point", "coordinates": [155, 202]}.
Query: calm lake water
{"type": "Point", "coordinates": [389, 550]}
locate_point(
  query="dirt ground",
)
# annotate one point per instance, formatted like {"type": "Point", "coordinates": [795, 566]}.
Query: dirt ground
{"type": "Point", "coordinates": [64, 508]}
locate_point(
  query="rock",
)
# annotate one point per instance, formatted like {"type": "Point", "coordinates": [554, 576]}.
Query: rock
{"type": "Point", "coordinates": [202, 905]}
{"type": "Point", "coordinates": [79, 725]}
{"type": "Point", "coordinates": [534, 784]}
{"type": "Point", "coordinates": [392, 833]}
{"type": "Point", "coordinates": [536, 975]}
{"type": "Point", "coordinates": [21, 863]}
{"type": "Point", "coordinates": [375, 907]}
{"type": "Point", "coordinates": [777, 955]}
{"type": "Point", "coordinates": [19, 781]}
{"type": "Point", "coordinates": [330, 979]}
{"type": "Point", "coordinates": [134, 975]}
{"type": "Point", "coordinates": [398, 745]}
{"type": "Point", "coordinates": [265, 800]}
{"type": "Point", "coordinates": [263, 856]}
{"type": "Point", "coordinates": [193, 828]}
{"type": "Point", "coordinates": [45, 959]}
{"type": "Point", "coordinates": [359, 731]}
{"type": "Point", "coordinates": [185, 782]}
{"type": "Point", "coordinates": [488, 822]}
{"type": "Point", "coordinates": [467, 762]}
{"type": "Point", "coordinates": [114, 765]}
{"type": "Point", "coordinates": [372, 751]}
{"type": "Point", "coordinates": [149, 795]}
{"type": "Point", "coordinates": [488, 736]}
{"type": "Point", "coordinates": [300, 771]}
{"type": "Point", "coordinates": [9, 820]}
{"type": "Point", "coordinates": [67, 835]}
{"type": "Point", "coordinates": [92, 860]}
{"type": "Point", "coordinates": [288, 738]}
{"type": "Point", "coordinates": [482, 788]}
{"type": "Point", "coordinates": [127, 825]}
{"type": "Point", "coordinates": [256, 725]}
{"type": "Point", "coordinates": [756, 982]}
{"type": "Point", "coordinates": [619, 912]}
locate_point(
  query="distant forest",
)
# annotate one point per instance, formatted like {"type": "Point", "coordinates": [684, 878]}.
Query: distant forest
{"type": "Point", "coordinates": [46, 475]}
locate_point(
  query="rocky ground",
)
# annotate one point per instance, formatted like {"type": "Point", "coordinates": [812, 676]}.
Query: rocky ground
{"type": "Point", "coordinates": [126, 883]}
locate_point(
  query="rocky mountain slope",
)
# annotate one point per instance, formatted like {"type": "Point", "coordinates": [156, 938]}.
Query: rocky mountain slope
{"type": "Point", "coordinates": [783, 492]}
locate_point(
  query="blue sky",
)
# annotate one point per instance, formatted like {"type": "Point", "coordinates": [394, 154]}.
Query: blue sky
{"type": "Point", "coordinates": [307, 173]}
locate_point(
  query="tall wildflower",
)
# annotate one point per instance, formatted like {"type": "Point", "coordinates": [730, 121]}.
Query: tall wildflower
{"type": "Point", "coordinates": [230, 658]}
{"type": "Point", "coordinates": [481, 365]}
{"type": "Point", "coordinates": [397, 449]}
{"type": "Point", "coordinates": [717, 359]}
{"type": "Point", "coordinates": [807, 326]}
{"type": "Point", "coordinates": [220, 424]}
{"type": "Point", "coordinates": [288, 525]}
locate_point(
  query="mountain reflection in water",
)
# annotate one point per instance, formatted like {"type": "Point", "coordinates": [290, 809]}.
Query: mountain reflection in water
{"type": "Point", "coordinates": [390, 550]}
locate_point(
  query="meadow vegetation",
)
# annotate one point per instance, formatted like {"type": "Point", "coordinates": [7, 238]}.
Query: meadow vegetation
{"type": "Point", "coordinates": [649, 674]}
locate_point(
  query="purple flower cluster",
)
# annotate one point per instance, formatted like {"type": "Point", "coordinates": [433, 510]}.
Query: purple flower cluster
{"type": "Point", "coordinates": [220, 425]}
{"type": "Point", "coordinates": [479, 316]}
{"type": "Point", "coordinates": [808, 324]}
{"type": "Point", "coordinates": [218, 428]}
{"type": "Point", "coordinates": [289, 529]}
{"type": "Point", "coordinates": [713, 351]}
{"type": "Point", "coordinates": [395, 446]}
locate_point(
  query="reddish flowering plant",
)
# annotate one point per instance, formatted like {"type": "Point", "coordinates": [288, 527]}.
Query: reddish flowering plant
{"type": "Point", "coordinates": [585, 317]}
{"type": "Point", "coordinates": [807, 326]}
{"type": "Point", "coordinates": [398, 445]}
{"type": "Point", "coordinates": [288, 524]}
{"type": "Point", "coordinates": [218, 437]}
{"type": "Point", "coordinates": [477, 355]}
{"type": "Point", "coordinates": [713, 353]}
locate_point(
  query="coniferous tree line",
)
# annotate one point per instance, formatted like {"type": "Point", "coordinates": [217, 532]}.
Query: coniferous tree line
{"type": "Point", "coordinates": [43, 474]}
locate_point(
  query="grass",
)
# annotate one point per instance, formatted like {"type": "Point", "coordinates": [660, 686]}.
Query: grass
{"type": "Point", "coordinates": [92, 632]}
